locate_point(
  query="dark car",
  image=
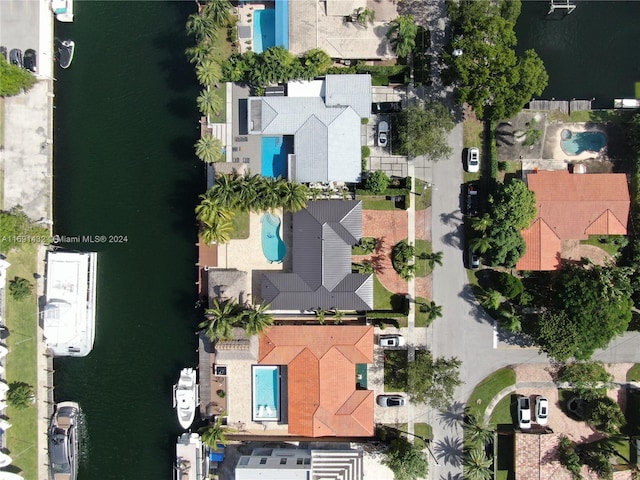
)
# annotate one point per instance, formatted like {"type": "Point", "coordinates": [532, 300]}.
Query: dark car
{"type": "Point", "coordinates": [472, 199]}
{"type": "Point", "coordinates": [386, 107]}
{"type": "Point", "coordinates": [3, 52]}
{"type": "Point", "coordinates": [15, 57]}
{"type": "Point", "coordinates": [30, 60]}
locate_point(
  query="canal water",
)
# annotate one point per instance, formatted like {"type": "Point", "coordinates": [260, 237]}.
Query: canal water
{"type": "Point", "coordinates": [590, 53]}
{"type": "Point", "coordinates": [125, 125]}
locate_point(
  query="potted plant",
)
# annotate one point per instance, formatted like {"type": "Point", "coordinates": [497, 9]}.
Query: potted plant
{"type": "Point", "coordinates": [221, 393]}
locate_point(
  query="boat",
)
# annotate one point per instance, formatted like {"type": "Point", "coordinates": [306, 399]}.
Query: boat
{"type": "Point", "coordinates": [69, 311]}
{"type": "Point", "coordinates": [186, 397]}
{"type": "Point", "coordinates": [192, 458]}
{"type": "Point", "coordinates": [10, 476]}
{"type": "Point", "coordinates": [63, 10]}
{"type": "Point", "coordinates": [4, 424]}
{"type": "Point", "coordinates": [66, 49]}
{"type": "Point", "coordinates": [63, 441]}
{"type": "Point", "coordinates": [5, 460]}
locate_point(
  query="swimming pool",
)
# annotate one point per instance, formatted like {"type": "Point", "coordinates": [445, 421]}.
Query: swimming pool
{"type": "Point", "coordinates": [273, 247]}
{"type": "Point", "coordinates": [264, 29]}
{"type": "Point", "coordinates": [574, 143]}
{"type": "Point", "coordinates": [266, 393]}
{"type": "Point", "coordinates": [275, 151]}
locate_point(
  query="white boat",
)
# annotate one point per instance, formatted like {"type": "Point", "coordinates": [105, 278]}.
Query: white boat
{"type": "Point", "coordinates": [4, 425]}
{"type": "Point", "coordinates": [186, 397]}
{"type": "Point", "coordinates": [10, 476]}
{"type": "Point", "coordinates": [3, 351]}
{"type": "Point", "coordinates": [63, 10]}
{"type": "Point", "coordinates": [66, 49]}
{"type": "Point", "coordinates": [192, 460]}
{"type": "Point", "coordinates": [69, 312]}
{"type": "Point", "coordinates": [63, 441]}
{"type": "Point", "coordinates": [5, 460]}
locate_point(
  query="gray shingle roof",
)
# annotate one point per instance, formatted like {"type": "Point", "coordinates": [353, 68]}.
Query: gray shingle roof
{"type": "Point", "coordinates": [321, 277]}
{"type": "Point", "coordinates": [352, 90]}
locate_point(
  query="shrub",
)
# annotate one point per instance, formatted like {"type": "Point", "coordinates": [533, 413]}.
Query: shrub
{"type": "Point", "coordinates": [401, 255]}
{"type": "Point", "coordinates": [587, 378]}
{"type": "Point", "coordinates": [364, 121]}
{"type": "Point", "coordinates": [20, 395]}
{"type": "Point", "coordinates": [377, 182]}
{"type": "Point", "coordinates": [502, 165]}
{"type": "Point", "coordinates": [508, 285]}
{"type": "Point", "coordinates": [366, 152]}
{"type": "Point", "coordinates": [604, 415]}
{"type": "Point", "coordinates": [20, 288]}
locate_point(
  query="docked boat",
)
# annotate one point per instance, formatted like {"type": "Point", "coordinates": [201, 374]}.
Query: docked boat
{"type": "Point", "coordinates": [66, 49]}
{"type": "Point", "coordinates": [186, 397]}
{"type": "Point", "coordinates": [63, 10]}
{"type": "Point", "coordinates": [69, 312]}
{"type": "Point", "coordinates": [63, 441]}
{"type": "Point", "coordinates": [192, 459]}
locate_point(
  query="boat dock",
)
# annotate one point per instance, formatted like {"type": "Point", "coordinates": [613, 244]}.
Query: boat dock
{"type": "Point", "coordinates": [564, 106]}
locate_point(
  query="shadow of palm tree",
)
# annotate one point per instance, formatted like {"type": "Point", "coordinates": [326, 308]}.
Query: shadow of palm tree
{"type": "Point", "coordinates": [451, 476]}
{"type": "Point", "coordinates": [453, 416]}
{"type": "Point", "coordinates": [449, 450]}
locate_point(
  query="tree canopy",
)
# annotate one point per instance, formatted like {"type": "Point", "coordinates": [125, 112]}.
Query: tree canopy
{"type": "Point", "coordinates": [16, 227]}
{"type": "Point", "coordinates": [406, 460]}
{"type": "Point", "coordinates": [402, 34]}
{"type": "Point", "coordinates": [590, 379]}
{"type": "Point", "coordinates": [423, 129]}
{"type": "Point", "coordinates": [433, 381]}
{"type": "Point", "coordinates": [489, 75]}
{"type": "Point", "coordinates": [13, 79]}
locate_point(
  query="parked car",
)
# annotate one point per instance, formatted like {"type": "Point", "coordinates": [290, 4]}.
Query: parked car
{"type": "Point", "coordinates": [15, 57]}
{"type": "Point", "coordinates": [474, 259]}
{"type": "Point", "coordinates": [3, 52]}
{"type": "Point", "coordinates": [386, 107]}
{"type": "Point", "coordinates": [542, 410]}
{"type": "Point", "coordinates": [473, 160]}
{"type": "Point", "coordinates": [391, 400]}
{"type": "Point", "coordinates": [383, 132]}
{"type": "Point", "coordinates": [524, 413]}
{"type": "Point", "coordinates": [30, 60]}
{"type": "Point", "coordinates": [472, 199]}
{"type": "Point", "coordinates": [391, 341]}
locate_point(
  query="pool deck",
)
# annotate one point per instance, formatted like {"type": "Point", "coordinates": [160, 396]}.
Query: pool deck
{"type": "Point", "coordinates": [245, 148]}
{"type": "Point", "coordinates": [552, 148]}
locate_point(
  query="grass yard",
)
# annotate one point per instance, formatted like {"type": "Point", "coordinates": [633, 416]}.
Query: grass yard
{"type": "Point", "coordinates": [501, 415]}
{"type": "Point", "coordinates": [637, 89]}
{"type": "Point", "coordinates": [422, 266]}
{"type": "Point", "coordinates": [381, 296]}
{"type": "Point", "coordinates": [489, 387]}
{"type": "Point", "coordinates": [423, 201]}
{"type": "Point", "coordinates": [611, 244]}
{"type": "Point", "coordinates": [360, 249]}
{"type": "Point", "coordinates": [633, 374]}
{"type": "Point", "coordinates": [241, 228]}
{"type": "Point", "coordinates": [22, 322]}
{"type": "Point", "coordinates": [472, 130]}
{"type": "Point", "coordinates": [470, 177]}
{"type": "Point", "coordinates": [395, 370]}
{"type": "Point", "coordinates": [1, 122]}
{"type": "Point", "coordinates": [421, 318]}
{"type": "Point", "coordinates": [220, 92]}
{"type": "Point", "coordinates": [423, 430]}
{"type": "Point", "coordinates": [377, 204]}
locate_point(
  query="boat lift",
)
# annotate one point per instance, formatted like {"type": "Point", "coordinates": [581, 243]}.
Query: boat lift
{"type": "Point", "coordinates": [565, 4]}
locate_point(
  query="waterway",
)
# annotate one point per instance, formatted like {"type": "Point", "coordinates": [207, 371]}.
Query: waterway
{"type": "Point", "coordinates": [125, 124]}
{"type": "Point", "coordinates": [589, 53]}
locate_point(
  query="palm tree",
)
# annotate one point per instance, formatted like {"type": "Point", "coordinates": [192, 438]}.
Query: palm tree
{"type": "Point", "coordinates": [201, 27]}
{"type": "Point", "coordinates": [338, 317]}
{"type": "Point", "coordinates": [214, 434]}
{"type": "Point", "coordinates": [490, 299]}
{"type": "Point", "coordinates": [256, 320]}
{"type": "Point", "coordinates": [209, 72]}
{"type": "Point", "coordinates": [248, 194]}
{"type": "Point", "coordinates": [364, 16]}
{"type": "Point", "coordinates": [476, 430]}
{"type": "Point", "coordinates": [218, 12]}
{"type": "Point", "coordinates": [480, 244]}
{"type": "Point", "coordinates": [209, 212]}
{"type": "Point", "coordinates": [482, 223]}
{"type": "Point", "coordinates": [510, 319]}
{"type": "Point", "coordinates": [225, 191]}
{"type": "Point", "coordinates": [209, 149]}
{"type": "Point", "coordinates": [293, 196]}
{"type": "Point", "coordinates": [220, 319]}
{"type": "Point", "coordinates": [321, 315]}
{"type": "Point", "coordinates": [432, 310]}
{"type": "Point", "coordinates": [201, 51]}
{"type": "Point", "coordinates": [477, 466]}
{"type": "Point", "coordinates": [434, 258]}
{"type": "Point", "coordinates": [402, 34]}
{"type": "Point", "coordinates": [268, 193]}
{"type": "Point", "coordinates": [209, 102]}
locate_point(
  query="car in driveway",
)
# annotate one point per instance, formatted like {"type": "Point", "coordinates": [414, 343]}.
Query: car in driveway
{"type": "Point", "coordinates": [383, 133]}
{"type": "Point", "coordinates": [15, 57]}
{"type": "Point", "coordinates": [473, 160]}
{"type": "Point", "coordinates": [472, 199]}
{"type": "Point", "coordinates": [542, 410]}
{"type": "Point", "coordinates": [30, 60]}
{"type": "Point", "coordinates": [474, 260]}
{"type": "Point", "coordinates": [524, 413]}
{"type": "Point", "coordinates": [386, 107]}
{"type": "Point", "coordinates": [390, 400]}
{"type": "Point", "coordinates": [391, 341]}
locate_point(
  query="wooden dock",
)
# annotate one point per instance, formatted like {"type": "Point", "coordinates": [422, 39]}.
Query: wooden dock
{"type": "Point", "coordinates": [563, 106]}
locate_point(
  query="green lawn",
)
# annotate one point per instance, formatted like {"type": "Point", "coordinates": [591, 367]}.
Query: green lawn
{"type": "Point", "coordinates": [501, 415]}
{"type": "Point", "coordinates": [359, 249]}
{"type": "Point", "coordinates": [637, 87]}
{"type": "Point", "coordinates": [633, 375]}
{"type": "Point", "coordinates": [240, 224]}
{"type": "Point", "coordinates": [220, 92]}
{"type": "Point", "coordinates": [377, 204]}
{"type": "Point", "coordinates": [22, 322]}
{"type": "Point", "coordinates": [472, 130]}
{"type": "Point", "coordinates": [470, 177]}
{"type": "Point", "coordinates": [422, 266]}
{"type": "Point", "coordinates": [489, 387]}
{"type": "Point", "coordinates": [421, 318]}
{"type": "Point", "coordinates": [609, 243]}
{"type": "Point", "coordinates": [395, 370]}
{"type": "Point", "coordinates": [423, 430]}
{"type": "Point", "coordinates": [423, 197]}
{"type": "Point", "coordinates": [1, 122]}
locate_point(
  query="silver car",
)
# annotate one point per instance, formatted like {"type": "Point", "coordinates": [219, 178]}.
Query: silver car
{"type": "Point", "coordinates": [383, 134]}
{"type": "Point", "coordinates": [391, 400]}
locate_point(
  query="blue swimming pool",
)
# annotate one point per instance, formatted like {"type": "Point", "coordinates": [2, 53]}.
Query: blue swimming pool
{"type": "Point", "coordinates": [264, 29]}
{"type": "Point", "coordinates": [574, 143]}
{"type": "Point", "coordinates": [266, 393]}
{"type": "Point", "coordinates": [275, 151]}
{"type": "Point", "coordinates": [273, 247]}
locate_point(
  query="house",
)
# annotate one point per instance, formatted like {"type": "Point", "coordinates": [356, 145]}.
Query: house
{"type": "Point", "coordinates": [320, 276]}
{"type": "Point", "coordinates": [324, 119]}
{"type": "Point", "coordinates": [318, 365]}
{"type": "Point", "coordinates": [300, 464]}
{"type": "Point", "coordinates": [572, 206]}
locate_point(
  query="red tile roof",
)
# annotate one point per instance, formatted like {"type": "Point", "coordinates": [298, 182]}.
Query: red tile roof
{"type": "Point", "coordinates": [321, 360]}
{"type": "Point", "coordinates": [572, 207]}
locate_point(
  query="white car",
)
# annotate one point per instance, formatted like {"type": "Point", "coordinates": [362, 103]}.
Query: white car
{"type": "Point", "coordinates": [473, 160]}
{"type": "Point", "coordinates": [383, 133]}
{"type": "Point", "coordinates": [390, 400]}
{"type": "Point", "coordinates": [391, 341]}
{"type": "Point", "coordinates": [542, 410]}
{"type": "Point", "coordinates": [524, 413]}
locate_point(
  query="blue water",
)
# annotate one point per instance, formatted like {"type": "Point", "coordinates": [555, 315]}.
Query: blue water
{"type": "Point", "coordinates": [264, 29]}
{"type": "Point", "coordinates": [273, 247]}
{"type": "Point", "coordinates": [582, 142]}
{"type": "Point", "coordinates": [266, 392]}
{"type": "Point", "coordinates": [274, 156]}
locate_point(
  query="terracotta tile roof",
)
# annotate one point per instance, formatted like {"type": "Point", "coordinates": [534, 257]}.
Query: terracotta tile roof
{"type": "Point", "coordinates": [321, 360]}
{"type": "Point", "coordinates": [573, 206]}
